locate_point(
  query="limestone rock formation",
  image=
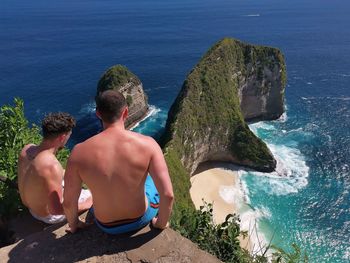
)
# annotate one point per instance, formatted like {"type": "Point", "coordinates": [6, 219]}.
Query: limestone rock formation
{"type": "Point", "coordinates": [92, 245]}
{"type": "Point", "coordinates": [121, 79]}
{"type": "Point", "coordinates": [262, 83]}
{"type": "Point", "coordinates": [234, 81]}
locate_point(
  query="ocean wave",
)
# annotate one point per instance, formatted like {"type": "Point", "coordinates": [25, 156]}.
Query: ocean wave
{"type": "Point", "coordinates": [153, 110]}
{"type": "Point", "coordinates": [230, 194]}
{"type": "Point", "coordinates": [250, 223]}
{"type": "Point", "coordinates": [343, 75]}
{"type": "Point", "coordinates": [88, 108]}
{"type": "Point", "coordinates": [261, 125]}
{"type": "Point", "coordinates": [326, 98]}
{"type": "Point", "coordinates": [283, 118]}
{"type": "Point", "coordinates": [290, 175]}
{"type": "Point", "coordinates": [252, 15]}
{"type": "Point", "coordinates": [244, 188]}
{"type": "Point", "coordinates": [291, 172]}
{"type": "Point", "coordinates": [238, 194]}
{"type": "Point", "coordinates": [339, 98]}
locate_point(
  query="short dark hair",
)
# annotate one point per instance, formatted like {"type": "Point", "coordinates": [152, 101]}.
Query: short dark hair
{"type": "Point", "coordinates": [54, 124]}
{"type": "Point", "coordinates": [110, 105]}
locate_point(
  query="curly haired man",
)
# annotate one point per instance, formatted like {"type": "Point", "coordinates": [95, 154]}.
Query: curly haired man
{"type": "Point", "coordinates": [40, 174]}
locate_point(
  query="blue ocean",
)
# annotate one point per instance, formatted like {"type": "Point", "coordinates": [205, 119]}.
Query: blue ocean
{"type": "Point", "coordinates": [52, 54]}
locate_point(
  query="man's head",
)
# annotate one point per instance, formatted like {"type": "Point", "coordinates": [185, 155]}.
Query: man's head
{"type": "Point", "coordinates": [111, 106]}
{"type": "Point", "coordinates": [58, 126]}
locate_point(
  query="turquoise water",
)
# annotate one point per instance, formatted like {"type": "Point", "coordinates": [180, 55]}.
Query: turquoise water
{"type": "Point", "coordinates": [52, 54]}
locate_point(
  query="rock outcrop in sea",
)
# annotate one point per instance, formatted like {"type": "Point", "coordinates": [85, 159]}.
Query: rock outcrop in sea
{"type": "Point", "coordinates": [234, 81]}
{"type": "Point", "coordinates": [123, 80]}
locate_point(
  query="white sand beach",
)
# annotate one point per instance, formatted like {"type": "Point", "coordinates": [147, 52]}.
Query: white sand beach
{"type": "Point", "coordinates": [207, 184]}
{"type": "Point", "coordinates": [220, 186]}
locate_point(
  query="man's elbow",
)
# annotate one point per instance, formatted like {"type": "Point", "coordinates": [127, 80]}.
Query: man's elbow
{"type": "Point", "coordinates": [169, 196]}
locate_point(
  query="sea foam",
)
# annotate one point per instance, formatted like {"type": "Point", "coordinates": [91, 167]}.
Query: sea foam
{"type": "Point", "coordinates": [238, 194]}
{"type": "Point", "coordinates": [91, 108]}
{"type": "Point", "coordinates": [291, 170]}
{"type": "Point", "coordinates": [153, 110]}
{"type": "Point", "coordinates": [87, 108]}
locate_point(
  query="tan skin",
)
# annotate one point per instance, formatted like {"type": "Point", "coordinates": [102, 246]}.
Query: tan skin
{"type": "Point", "coordinates": [114, 165]}
{"type": "Point", "coordinates": [40, 177]}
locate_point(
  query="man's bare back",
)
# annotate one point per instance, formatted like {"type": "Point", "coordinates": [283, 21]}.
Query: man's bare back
{"type": "Point", "coordinates": [115, 165]}
{"type": "Point", "coordinates": [40, 177]}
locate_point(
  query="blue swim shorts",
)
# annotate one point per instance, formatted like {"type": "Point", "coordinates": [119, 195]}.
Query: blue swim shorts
{"type": "Point", "coordinates": [152, 210]}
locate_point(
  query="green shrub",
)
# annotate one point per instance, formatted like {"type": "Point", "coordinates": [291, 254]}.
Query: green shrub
{"type": "Point", "coordinates": [220, 240]}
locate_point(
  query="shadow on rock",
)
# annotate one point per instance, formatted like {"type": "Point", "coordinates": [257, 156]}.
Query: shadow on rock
{"type": "Point", "coordinates": [58, 246]}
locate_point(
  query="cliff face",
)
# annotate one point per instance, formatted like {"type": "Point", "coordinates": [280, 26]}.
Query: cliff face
{"type": "Point", "coordinates": [261, 84]}
{"type": "Point", "coordinates": [234, 81]}
{"type": "Point", "coordinates": [121, 79]}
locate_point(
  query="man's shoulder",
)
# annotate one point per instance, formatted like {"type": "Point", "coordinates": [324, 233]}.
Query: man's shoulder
{"type": "Point", "coordinates": [89, 142]}
{"type": "Point", "coordinates": [144, 139]}
{"type": "Point", "coordinates": [82, 150]}
{"type": "Point", "coordinates": [48, 162]}
{"type": "Point", "coordinates": [26, 148]}
{"type": "Point", "coordinates": [48, 166]}
{"type": "Point", "coordinates": [29, 145]}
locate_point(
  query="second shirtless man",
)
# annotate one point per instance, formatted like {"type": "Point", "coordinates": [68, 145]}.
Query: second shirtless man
{"type": "Point", "coordinates": [115, 164]}
{"type": "Point", "coordinates": [40, 174]}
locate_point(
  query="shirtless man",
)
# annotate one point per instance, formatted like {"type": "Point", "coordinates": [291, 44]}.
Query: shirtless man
{"type": "Point", "coordinates": [40, 174]}
{"type": "Point", "coordinates": [114, 165]}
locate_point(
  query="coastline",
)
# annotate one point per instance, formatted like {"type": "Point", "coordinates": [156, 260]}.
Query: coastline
{"type": "Point", "coordinates": [151, 111]}
{"type": "Point", "coordinates": [220, 184]}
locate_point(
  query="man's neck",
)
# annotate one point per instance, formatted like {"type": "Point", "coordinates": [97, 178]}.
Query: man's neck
{"type": "Point", "coordinates": [48, 146]}
{"type": "Point", "coordinates": [118, 125]}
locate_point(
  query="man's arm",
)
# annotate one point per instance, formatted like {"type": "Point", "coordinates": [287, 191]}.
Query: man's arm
{"type": "Point", "coordinates": [72, 189]}
{"type": "Point", "coordinates": [160, 175]}
{"type": "Point", "coordinates": [54, 182]}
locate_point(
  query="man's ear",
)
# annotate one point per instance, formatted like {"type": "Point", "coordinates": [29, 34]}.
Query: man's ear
{"type": "Point", "coordinates": [98, 114]}
{"type": "Point", "coordinates": [61, 137]}
{"type": "Point", "coordinates": [125, 113]}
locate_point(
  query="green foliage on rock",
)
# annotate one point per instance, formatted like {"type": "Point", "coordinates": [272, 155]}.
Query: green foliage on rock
{"type": "Point", "coordinates": [220, 240]}
{"type": "Point", "coordinates": [247, 146]}
{"type": "Point", "coordinates": [181, 185]}
{"type": "Point", "coordinates": [207, 113]}
{"type": "Point", "coordinates": [115, 77]}
{"type": "Point", "coordinates": [207, 110]}
{"type": "Point", "coordinates": [15, 133]}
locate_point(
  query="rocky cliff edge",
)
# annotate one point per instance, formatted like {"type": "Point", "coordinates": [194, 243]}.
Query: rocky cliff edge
{"type": "Point", "coordinates": [92, 245]}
